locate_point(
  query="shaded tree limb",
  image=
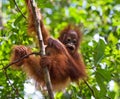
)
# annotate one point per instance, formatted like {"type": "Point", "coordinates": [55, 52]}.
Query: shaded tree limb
{"type": "Point", "coordinates": [7, 78]}
{"type": "Point", "coordinates": [92, 91]}
{"type": "Point", "coordinates": [42, 47]}
{"type": "Point", "coordinates": [19, 9]}
{"type": "Point", "coordinates": [20, 59]}
{"type": "Point", "coordinates": [9, 83]}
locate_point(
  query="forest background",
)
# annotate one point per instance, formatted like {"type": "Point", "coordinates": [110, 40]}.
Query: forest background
{"type": "Point", "coordinates": [99, 21]}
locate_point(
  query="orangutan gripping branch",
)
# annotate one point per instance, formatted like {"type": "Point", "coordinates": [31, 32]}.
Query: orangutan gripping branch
{"type": "Point", "coordinates": [62, 58]}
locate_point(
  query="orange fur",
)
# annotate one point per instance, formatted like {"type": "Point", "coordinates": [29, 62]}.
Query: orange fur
{"type": "Point", "coordinates": [58, 61]}
{"type": "Point", "coordinates": [31, 23]}
{"type": "Point", "coordinates": [63, 65]}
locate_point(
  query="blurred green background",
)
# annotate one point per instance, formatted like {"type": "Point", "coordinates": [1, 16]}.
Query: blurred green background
{"type": "Point", "coordinates": [99, 21]}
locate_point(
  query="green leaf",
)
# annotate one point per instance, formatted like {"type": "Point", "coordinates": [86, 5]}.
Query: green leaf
{"type": "Point", "coordinates": [112, 95]}
{"type": "Point", "coordinates": [112, 38]}
{"type": "Point", "coordinates": [18, 20]}
{"type": "Point", "coordinates": [105, 74]}
{"type": "Point", "coordinates": [100, 81]}
{"type": "Point", "coordinates": [12, 4]}
{"type": "Point", "coordinates": [102, 77]}
{"type": "Point", "coordinates": [96, 92]}
{"type": "Point", "coordinates": [99, 52]}
{"type": "Point", "coordinates": [58, 95]}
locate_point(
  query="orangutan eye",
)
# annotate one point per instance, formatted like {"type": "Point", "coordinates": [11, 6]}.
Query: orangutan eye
{"type": "Point", "coordinates": [68, 39]}
{"type": "Point", "coordinates": [74, 41]}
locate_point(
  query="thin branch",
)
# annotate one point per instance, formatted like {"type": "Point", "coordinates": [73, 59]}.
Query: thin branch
{"type": "Point", "coordinates": [92, 91]}
{"type": "Point", "coordinates": [42, 47]}
{"type": "Point", "coordinates": [4, 68]}
{"type": "Point", "coordinates": [7, 78]}
{"type": "Point", "coordinates": [37, 26]}
{"type": "Point", "coordinates": [19, 9]}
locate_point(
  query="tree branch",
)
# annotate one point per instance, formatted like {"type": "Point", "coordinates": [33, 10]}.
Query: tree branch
{"type": "Point", "coordinates": [4, 68]}
{"type": "Point", "coordinates": [42, 47]}
{"type": "Point", "coordinates": [9, 82]}
{"type": "Point", "coordinates": [7, 78]}
{"type": "Point", "coordinates": [19, 9]}
{"type": "Point", "coordinates": [92, 91]}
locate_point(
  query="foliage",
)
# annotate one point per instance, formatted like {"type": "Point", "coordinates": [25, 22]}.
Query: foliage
{"type": "Point", "coordinates": [100, 24]}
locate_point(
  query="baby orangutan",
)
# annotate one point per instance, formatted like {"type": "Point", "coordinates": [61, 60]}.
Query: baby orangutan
{"type": "Point", "coordinates": [62, 58]}
{"type": "Point", "coordinates": [61, 66]}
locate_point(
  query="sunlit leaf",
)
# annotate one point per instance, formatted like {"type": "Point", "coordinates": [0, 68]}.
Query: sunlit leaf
{"type": "Point", "coordinates": [12, 4]}
{"type": "Point", "coordinates": [99, 51]}
{"type": "Point", "coordinates": [112, 38]}
{"type": "Point", "coordinates": [101, 82]}
{"type": "Point", "coordinates": [18, 20]}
